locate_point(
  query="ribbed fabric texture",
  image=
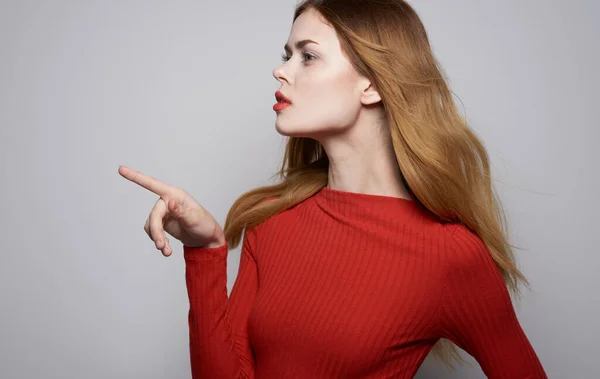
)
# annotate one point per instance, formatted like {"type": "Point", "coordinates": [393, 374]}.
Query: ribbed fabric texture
{"type": "Point", "coordinates": [349, 285]}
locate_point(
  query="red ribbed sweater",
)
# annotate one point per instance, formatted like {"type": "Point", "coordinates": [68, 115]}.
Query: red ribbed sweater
{"type": "Point", "coordinates": [349, 285]}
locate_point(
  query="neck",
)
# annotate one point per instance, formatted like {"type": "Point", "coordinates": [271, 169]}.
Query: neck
{"type": "Point", "coordinates": [362, 160]}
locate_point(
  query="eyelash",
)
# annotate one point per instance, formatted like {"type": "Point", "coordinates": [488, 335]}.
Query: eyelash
{"type": "Point", "coordinates": [285, 58]}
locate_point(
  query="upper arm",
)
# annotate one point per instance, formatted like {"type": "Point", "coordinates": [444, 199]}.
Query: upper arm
{"type": "Point", "coordinates": [477, 312]}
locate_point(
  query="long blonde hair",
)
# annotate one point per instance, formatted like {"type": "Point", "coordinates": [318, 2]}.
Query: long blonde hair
{"type": "Point", "coordinates": [443, 163]}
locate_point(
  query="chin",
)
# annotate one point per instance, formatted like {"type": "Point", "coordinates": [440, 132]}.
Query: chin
{"type": "Point", "coordinates": [301, 131]}
{"type": "Point", "coordinates": [294, 131]}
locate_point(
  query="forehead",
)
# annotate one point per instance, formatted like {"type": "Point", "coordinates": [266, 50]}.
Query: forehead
{"type": "Point", "coordinates": [311, 25]}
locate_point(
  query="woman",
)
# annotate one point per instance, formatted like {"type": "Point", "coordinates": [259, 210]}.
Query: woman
{"type": "Point", "coordinates": [383, 236]}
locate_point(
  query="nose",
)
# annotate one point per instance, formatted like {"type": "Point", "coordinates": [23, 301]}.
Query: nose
{"type": "Point", "coordinates": [280, 75]}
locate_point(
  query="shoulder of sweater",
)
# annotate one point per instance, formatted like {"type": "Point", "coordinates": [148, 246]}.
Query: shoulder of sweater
{"type": "Point", "coordinates": [255, 229]}
{"type": "Point", "coordinates": [464, 248]}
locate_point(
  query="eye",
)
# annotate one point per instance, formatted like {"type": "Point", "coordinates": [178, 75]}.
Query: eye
{"type": "Point", "coordinates": [306, 57]}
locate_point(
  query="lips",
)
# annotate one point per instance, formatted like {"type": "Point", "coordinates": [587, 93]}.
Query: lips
{"type": "Point", "coordinates": [280, 97]}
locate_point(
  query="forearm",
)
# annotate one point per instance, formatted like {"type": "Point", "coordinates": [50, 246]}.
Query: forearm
{"type": "Point", "coordinates": [212, 342]}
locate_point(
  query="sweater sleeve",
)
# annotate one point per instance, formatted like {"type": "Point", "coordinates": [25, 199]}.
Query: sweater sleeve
{"type": "Point", "coordinates": [477, 313]}
{"type": "Point", "coordinates": [219, 343]}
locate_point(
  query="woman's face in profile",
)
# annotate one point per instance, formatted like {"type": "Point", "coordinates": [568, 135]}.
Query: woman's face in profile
{"type": "Point", "coordinates": [318, 80]}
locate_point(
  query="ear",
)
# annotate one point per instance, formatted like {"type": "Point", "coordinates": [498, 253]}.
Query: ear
{"type": "Point", "coordinates": [369, 94]}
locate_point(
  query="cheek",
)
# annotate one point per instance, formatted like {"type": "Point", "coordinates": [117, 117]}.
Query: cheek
{"type": "Point", "coordinates": [328, 97]}
{"type": "Point", "coordinates": [325, 87]}
{"type": "Point", "coordinates": [324, 102]}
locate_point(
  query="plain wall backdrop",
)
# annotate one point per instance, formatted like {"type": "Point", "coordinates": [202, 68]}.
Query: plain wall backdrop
{"type": "Point", "coordinates": [183, 90]}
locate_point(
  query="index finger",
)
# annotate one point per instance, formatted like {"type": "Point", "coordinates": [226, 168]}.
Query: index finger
{"type": "Point", "coordinates": [146, 181]}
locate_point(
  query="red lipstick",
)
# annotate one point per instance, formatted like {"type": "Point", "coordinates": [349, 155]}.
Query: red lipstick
{"type": "Point", "coordinates": [282, 102]}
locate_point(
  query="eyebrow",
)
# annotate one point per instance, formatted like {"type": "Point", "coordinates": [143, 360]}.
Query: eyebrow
{"type": "Point", "coordinates": [299, 45]}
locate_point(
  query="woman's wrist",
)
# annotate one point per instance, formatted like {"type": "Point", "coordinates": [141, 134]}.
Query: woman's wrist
{"type": "Point", "coordinates": [220, 241]}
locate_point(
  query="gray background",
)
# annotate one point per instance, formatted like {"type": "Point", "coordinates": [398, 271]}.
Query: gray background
{"type": "Point", "coordinates": [183, 90]}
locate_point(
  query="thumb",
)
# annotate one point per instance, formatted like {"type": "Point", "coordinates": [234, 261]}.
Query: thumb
{"type": "Point", "coordinates": [178, 211]}
{"type": "Point", "coordinates": [175, 209]}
